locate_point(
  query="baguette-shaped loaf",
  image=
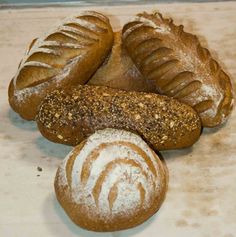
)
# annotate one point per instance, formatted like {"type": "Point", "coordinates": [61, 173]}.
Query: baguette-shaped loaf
{"type": "Point", "coordinates": [67, 55]}
{"type": "Point", "coordinates": [179, 66]}
{"type": "Point", "coordinates": [119, 71]}
{"type": "Point", "coordinates": [70, 116]}
{"type": "Point", "coordinates": [111, 181]}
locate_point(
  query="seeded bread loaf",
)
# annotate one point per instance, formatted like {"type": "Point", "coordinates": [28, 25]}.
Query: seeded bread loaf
{"type": "Point", "coordinates": [70, 116]}
{"type": "Point", "coordinates": [119, 71]}
{"type": "Point", "coordinates": [179, 66]}
{"type": "Point", "coordinates": [68, 55]}
{"type": "Point", "coordinates": [111, 181]}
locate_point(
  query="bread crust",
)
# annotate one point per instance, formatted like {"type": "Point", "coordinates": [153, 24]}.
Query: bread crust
{"type": "Point", "coordinates": [70, 116]}
{"type": "Point", "coordinates": [119, 71]}
{"type": "Point", "coordinates": [94, 198]}
{"type": "Point", "coordinates": [179, 66]}
{"type": "Point", "coordinates": [66, 56]}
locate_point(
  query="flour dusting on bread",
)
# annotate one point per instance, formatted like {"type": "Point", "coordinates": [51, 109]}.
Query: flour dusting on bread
{"type": "Point", "coordinates": [58, 59]}
{"type": "Point", "coordinates": [178, 60]}
{"type": "Point", "coordinates": [113, 174]}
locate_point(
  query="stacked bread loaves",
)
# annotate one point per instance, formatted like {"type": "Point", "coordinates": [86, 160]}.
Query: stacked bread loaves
{"type": "Point", "coordinates": [148, 88]}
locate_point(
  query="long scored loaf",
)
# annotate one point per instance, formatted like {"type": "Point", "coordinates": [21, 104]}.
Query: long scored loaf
{"type": "Point", "coordinates": [70, 116]}
{"type": "Point", "coordinates": [66, 56]}
{"type": "Point", "coordinates": [179, 66]}
{"type": "Point", "coordinates": [111, 181]}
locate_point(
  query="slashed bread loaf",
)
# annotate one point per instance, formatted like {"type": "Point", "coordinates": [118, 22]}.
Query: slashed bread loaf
{"type": "Point", "coordinates": [70, 116]}
{"type": "Point", "coordinates": [111, 181]}
{"type": "Point", "coordinates": [67, 55]}
{"type": "Point", "coordinates": [179, 66]}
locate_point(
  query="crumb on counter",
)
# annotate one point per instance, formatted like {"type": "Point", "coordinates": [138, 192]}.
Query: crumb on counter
{"type": "Point", "coordinates": [39, 169]}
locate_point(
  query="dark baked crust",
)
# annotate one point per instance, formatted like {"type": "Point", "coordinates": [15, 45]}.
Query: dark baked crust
{"type": "Point", "coordinates": [179, 66]}
{"type": "Point", "coordinates": [70, 116]}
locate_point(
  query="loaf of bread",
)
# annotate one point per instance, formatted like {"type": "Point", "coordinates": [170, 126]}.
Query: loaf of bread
{"type": "Point", "coordinates": [68, 55]}
{"type": "Point", "coordinates": [111, 181]}
{"type": "Point", "coordinates": [119, 71]}
{"type": "Point", "coordinates": [179, 66]}
{"type": "Point", "coordinates": [70, 116]}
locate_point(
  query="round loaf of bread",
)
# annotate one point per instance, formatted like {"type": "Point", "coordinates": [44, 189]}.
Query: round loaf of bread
{"type": "Point", "coordinates": [67, 55]}
{"type": "Point", "coordinates": [111, 181]}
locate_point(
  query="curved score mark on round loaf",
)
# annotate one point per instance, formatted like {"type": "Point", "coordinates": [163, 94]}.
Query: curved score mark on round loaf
{"type": "Point", "coordinates": [70, 162]}
{"type": "Point", "coordinates": [113, 193]}
{"type": "Point", "coordinates": [86, 169]}
{"type": "Point", "coordinates": [108, 168]}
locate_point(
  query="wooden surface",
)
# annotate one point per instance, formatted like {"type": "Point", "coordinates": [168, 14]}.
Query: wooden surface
{"type": "Point", "coordinates": [201, 200]}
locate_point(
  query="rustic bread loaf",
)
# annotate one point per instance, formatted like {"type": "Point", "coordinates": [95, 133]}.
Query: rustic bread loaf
{"type": "Point", "coordinates": [111, 181]}
{"type": "Point", "coordinates": [119, 71]}
{"type": "Point", "coordinates": [66, 56]}
{"type": "Point", "coordinates": [179, 66]}
{"type": "Point", "coordinates": [70, 116]}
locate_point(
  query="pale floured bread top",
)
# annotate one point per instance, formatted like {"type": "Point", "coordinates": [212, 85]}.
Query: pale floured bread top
{"type": "Point", "coordinates": [113, 173]}
{"type": "Point", "coordinates": [179, 65]}
{"type": "Point", "coordinates": [54, 55]}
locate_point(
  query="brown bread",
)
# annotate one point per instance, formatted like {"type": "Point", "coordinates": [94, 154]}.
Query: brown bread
{"type": "Point", "coordinates": [68, 55]}
{"type": "Point", "coordinates": [70, 116]}
{"type": "Point", "coordinates": [119, 71]}
{"type": "Point", "coordinates": [179, 66]}
{"type": "Point", "coordinates": [111, 181]}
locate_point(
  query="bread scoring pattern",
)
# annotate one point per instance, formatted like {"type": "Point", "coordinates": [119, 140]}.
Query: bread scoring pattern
{"type": "Point", "coordinates": [114, 172]}
{"type": "Point", "coordinates": [68, 55]}
{"type": "Point", "coordinates": [53, 55]}
{"type": "Point", "coordinates": [179, 66]}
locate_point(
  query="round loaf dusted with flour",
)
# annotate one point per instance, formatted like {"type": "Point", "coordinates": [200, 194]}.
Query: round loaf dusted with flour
{"type": "Point", "coordinates": [111, 181]}
{"type": "Point", "coordinates": [67, 55]}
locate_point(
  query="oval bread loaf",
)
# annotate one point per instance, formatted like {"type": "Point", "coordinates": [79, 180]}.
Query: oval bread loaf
{"type": "Point", "coordinates": [70, 116]}
{"type": "Point", "coordinates": [111, 181]}
{"type": "Point", "coordinates": [68, 55]}
{"type": "Point", "coordinates": [179, 66]}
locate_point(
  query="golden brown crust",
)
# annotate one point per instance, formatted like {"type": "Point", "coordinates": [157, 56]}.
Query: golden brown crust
{"type": "Point", "coordinates": [129, 192]}
{"type": "Point", "coordinates": [66, 56]}
{"type": "Point", "coordinates": [119, 71]}
{"type": "Point", "coordinates": [179, 66]}
{"type": "Point", "coordinates": [70, 116]}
